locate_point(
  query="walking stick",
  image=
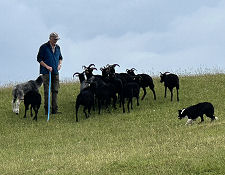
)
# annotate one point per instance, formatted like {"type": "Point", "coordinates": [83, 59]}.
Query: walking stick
{"type": "Point", "coordinates": [49, 93]}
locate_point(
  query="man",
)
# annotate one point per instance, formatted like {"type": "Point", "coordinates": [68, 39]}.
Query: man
{"type": "Point", "coordinates": [50, 59]}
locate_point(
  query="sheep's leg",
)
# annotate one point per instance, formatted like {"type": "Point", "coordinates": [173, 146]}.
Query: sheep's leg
{"type": "Point", "coordinates": [171, 91]}
{"type": "Point", "coordinates": [165, 91]}
{"type": "Point", "coordinates": [89, 110]}
{"type": "Point", "coordinates": [77, 107]}
{"type": "Point", "coordinates": [26, 108]}
{"type": "Point", "coordinates": [153, 90]}
{"type": "Point", "coordinates": [107, 104]}
{"type": "Point", "coordinates": [177, 94]}
{"type": "Point", "coordinates": [31, 114]}
{"type": "Point", "coordinates": [128, 105]}
{"type": "Point", "coordinates": [94, 104]}
{"type": "Point", "coordinates": [119, 98]}
{"type": "Point", "coordinates": [144, 89]}
{"type": "Point", "coordinates": [99, 106]}
{"type": "Point", "coordinates": [36, 112]}
{"type": "Point", "coordinates": [114, 101]}
{"type": "Point", "coordinates": [123, 104]}
{"type": "Point", "coordinates": [137, 101]}
{"type": "Point", "coordinates": [84, 110]}
{"type": "Point", "coordinates": [131, 103]}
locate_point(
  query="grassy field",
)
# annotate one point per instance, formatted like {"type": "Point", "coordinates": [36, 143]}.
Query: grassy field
{"type": "Point", "coordinates": [148, 140]}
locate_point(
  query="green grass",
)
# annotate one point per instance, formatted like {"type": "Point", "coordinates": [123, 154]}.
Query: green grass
{"type": "Point", "coordinates": [148, 140]}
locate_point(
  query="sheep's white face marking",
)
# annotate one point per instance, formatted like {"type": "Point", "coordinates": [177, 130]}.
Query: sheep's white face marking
{"type": "Point", "coordinates": [16, 106]}
{"type": "Point", "coordinates": [189, 121]}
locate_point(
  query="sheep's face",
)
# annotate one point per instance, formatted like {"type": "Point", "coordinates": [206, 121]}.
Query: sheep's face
{"type": "Point", "coordinates": [162, 77]}
{"type": "Point", "coordinates": [105, 72]}
{"type": "Point", "coordinates": [130, 72]}
{"type": "Point", "coordinates": [88, 71]}
{"type": "Point", "coordinates": [182, 114]}
{"type": "Point", "coordinates": [111, 70]}
{"type": "Point", "coordinates": [81, 77]}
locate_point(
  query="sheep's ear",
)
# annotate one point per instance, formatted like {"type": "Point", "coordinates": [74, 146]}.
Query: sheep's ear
{"type": "Point", "coordinates": [160, 73]}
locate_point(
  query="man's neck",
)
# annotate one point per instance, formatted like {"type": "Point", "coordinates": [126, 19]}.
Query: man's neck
{"type": "Point", "coordinates": [52, 46]}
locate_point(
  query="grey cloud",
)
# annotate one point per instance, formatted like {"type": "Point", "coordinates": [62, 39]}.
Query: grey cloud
{"type": "Point", "coordinates": [150, 35]}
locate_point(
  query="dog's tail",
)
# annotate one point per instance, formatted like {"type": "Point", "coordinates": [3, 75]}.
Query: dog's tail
{"type": "Point", "coordinates": [39, 81]}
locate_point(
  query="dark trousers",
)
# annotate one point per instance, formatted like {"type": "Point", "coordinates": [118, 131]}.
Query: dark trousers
{"type": "Point", "coordinates": [54, 91]}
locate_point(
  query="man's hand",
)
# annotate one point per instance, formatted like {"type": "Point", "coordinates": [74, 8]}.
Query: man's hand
{"type": "Point", "coordinates": [59, 66]}
{"type": "Point", "coordinates": [49, 68]}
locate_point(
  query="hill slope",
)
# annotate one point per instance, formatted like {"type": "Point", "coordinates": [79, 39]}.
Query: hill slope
{"type": "Point", "coordinates": [148, 140]}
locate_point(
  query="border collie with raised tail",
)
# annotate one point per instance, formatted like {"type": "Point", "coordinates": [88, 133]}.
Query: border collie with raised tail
{"type": "Point", "coordinates": [20, 90]}
{"type": "Point", "coordinates": [193, 112]}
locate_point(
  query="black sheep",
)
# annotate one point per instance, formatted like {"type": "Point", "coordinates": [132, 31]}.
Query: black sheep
{"type": "Point", "coordinates": [146, 81]}
{"type": "Point", "coordinates": [86, 99]}
{"type": "Point", "coordinates": [170, 80]}
{"type": "Point", "coordinates": [32, 98]}
{"type": "Point", "coordinates": [131, 89]}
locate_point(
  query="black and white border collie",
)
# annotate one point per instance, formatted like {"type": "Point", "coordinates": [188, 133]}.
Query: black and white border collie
{"type": "Point", "coordinates": [193, 112]}
{"type": "Point", "coordinates": [20, 90]}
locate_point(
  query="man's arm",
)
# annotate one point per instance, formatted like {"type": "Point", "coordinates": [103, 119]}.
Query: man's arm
{"type": "Point", "coordinates": [60, 64]}
{"type": "Point", "coordinates": [46, 66]}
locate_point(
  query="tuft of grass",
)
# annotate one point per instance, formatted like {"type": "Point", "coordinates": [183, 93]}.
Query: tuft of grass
{"type": "Point", "coordinates": [148, 140]}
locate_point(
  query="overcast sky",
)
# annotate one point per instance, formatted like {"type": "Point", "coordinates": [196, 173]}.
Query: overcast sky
{"type": "Point", "coordinates": [149, 35]}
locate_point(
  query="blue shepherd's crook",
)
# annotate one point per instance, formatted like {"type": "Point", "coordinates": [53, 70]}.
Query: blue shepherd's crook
{"type": "Point", "coordinates": [49, 93]}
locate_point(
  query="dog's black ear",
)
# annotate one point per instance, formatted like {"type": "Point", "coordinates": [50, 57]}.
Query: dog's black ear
{"type": "Point", "coordinates": [179, 112]}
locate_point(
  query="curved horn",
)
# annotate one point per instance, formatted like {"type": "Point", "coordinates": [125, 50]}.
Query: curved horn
{"type": "Point", "coordinates": [133, 69]}
{"type": "Point", "coordinates": [91, 65]}
{"type": "Point", "coordinates": [77, 73]}
{"type": "Point", "coordinates": [94, 68]}
{"type": "Point", "coordinates": [84, 67]}
{"type": "Point", "coordinates": [114, 65]}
